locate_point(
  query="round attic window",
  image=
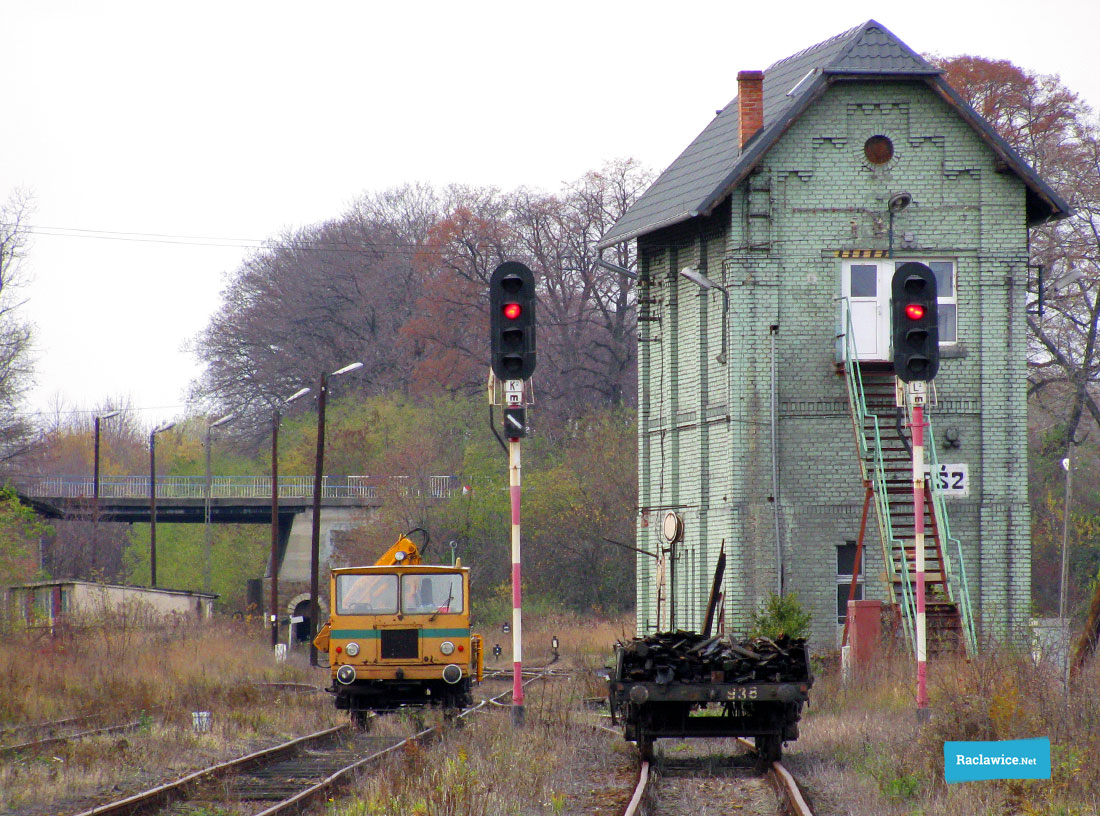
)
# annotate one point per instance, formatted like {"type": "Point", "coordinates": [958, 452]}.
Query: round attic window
{"type": "Point", "coordinates": [878, 150]}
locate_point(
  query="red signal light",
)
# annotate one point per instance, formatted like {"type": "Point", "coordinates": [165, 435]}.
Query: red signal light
{"type": "Point", "coordinates": [914, 311]}
{"type": "Point", "coordinates": [512, 311]}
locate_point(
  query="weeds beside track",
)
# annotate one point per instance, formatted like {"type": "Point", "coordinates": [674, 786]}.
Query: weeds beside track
{"type": "Point", "coordinates": [290, 775]}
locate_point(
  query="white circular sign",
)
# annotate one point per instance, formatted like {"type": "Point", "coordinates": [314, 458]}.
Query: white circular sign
{"type": "Point", "coordinates": [672, 526]}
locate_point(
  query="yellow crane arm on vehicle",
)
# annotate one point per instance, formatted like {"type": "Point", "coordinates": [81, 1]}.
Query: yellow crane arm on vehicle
{"type": "Point", "coordinates": [404, 552]}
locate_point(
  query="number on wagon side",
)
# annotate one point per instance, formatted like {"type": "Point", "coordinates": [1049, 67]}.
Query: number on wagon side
{"type": "Point", "coordinates": [741, 693]}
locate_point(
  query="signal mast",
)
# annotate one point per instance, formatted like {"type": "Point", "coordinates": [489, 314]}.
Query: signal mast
{"type": "Point", "coordinates": [512, 345]}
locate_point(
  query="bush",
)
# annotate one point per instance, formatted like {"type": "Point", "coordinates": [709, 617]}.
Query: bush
{"type": "Point", "coordinates": [781, 615]}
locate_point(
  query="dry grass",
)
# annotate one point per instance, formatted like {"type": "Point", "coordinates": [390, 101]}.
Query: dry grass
{"type": "Point", "coordinates": [554, 765]}
{"type": "Point", "coordinates": [557, 764]}
{"type": "Point", "coordinates": [123, 671]}
{"type": "Point", "coordinates": [862, 753]}
{"type": "Point", "coordinates": [128, 668]}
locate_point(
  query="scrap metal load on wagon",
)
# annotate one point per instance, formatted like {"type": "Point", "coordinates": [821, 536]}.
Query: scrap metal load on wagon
{"type": "Point", "coordinates": [683, 684]}
{"type": "Point", "coordinates": [399, 635]}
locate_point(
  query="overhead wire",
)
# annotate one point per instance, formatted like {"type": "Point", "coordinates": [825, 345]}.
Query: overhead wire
{"type": "Point", "coordinates": [224, 241]}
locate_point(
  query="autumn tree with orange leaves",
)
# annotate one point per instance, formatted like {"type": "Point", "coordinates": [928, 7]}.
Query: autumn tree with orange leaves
{"type": "Point", "coordinates": [400, 282]}
{"type": "Point", "coordinates": [1059, 135]}
{"type": "Point", "coordinates": [448, 332]}
{"type": "Point", "coordinates": [586, 314]}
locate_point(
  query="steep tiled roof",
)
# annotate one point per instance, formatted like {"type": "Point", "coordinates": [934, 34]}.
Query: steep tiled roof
{"type": "Point", "coordinates": [713, 164]}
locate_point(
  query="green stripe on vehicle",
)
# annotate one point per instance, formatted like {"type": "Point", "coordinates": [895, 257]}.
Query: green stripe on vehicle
{"type": "Point", "coordinates": [374, 634]}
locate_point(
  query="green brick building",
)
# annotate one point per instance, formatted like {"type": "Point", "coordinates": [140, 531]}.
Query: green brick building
{"type": "Point", "coordinates": [794, 205]}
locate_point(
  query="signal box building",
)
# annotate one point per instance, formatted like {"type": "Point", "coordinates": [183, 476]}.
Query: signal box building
{"type": "Point", "coordinates": [767, 419]}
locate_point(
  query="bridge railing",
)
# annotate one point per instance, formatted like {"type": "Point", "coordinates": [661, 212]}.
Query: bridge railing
{"type": "Point", "coordinates": [236, 487]}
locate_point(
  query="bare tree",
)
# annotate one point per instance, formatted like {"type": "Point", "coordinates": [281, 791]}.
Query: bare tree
{"type": "Point", "coordinates": [79, 548]}
{"type": "Point", "coordinates": [401, 281]}
{"type": "Point", "coordinates": [586, 315]}
{"type": "Point", "coordinates": [595, 203]}
{"type": "Point", "coordinates": [319, 297]}
{"type": "Point", "coordinates": [16, 336]}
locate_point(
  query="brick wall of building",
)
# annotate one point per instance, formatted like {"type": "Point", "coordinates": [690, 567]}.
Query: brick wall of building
{"type": "Point", "coordinates": [705, 429]}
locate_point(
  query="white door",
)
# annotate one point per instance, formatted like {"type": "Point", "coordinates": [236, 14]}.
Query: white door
{"type": "Point", "coordinates": [866, 285]}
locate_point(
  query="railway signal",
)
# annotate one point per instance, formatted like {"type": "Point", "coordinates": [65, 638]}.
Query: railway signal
{"type": "Point", "coordinates": [512, 321]}
{"type": "Point", "coordinates": [512, 355]}
{"type": "Point", "coordinates": [916, 331]}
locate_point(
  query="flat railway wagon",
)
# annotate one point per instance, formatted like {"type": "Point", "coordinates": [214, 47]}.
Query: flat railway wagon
{"type": "Point", "coordinates": [681, 684]}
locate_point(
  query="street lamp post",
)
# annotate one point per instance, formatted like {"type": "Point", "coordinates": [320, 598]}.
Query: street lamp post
{"type": "Point", "coordinates": [1063, 625]}
{"type": "Point", "coordinates": [315, 544]}
{"type": "Point", "coordinates": [276, 417]}
{"type": "Point", "coordinates": [206, 542]}
{"type": "Point", "coordinates": [705, 283]}
{"type": "Point", "coordinates": [95, 479]}
{"type": "Point", "coordinates": [153, 501]}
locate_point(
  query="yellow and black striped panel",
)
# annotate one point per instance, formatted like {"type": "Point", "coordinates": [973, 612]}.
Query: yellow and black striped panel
{"type": "Point", "coordinates": [861, 253]}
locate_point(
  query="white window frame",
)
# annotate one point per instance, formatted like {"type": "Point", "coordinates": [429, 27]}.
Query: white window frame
{"type": "Point", "coordinates": [951, 300]}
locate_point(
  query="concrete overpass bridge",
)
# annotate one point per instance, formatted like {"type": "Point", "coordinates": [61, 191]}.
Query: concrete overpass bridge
{"type": "Point", "coordinates": [345, 502]}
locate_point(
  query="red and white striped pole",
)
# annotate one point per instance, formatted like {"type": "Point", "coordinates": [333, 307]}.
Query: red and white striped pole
{"type": "Point", "coordinates": [517, 622]}
{"type": "Point", "coordinates": [916, 390]}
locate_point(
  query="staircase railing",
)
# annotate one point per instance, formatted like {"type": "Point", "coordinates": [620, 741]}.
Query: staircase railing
{"type": "Point", "coordinates": [958, 588]}
{"type": "Point", "coordinates": [873, 470]}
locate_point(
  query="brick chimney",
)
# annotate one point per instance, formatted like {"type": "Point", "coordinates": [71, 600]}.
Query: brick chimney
{"type": "Point", "coordinates": [750, 105]}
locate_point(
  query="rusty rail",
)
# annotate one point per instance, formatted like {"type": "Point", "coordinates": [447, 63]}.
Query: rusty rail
{"type": "Point", "coordinates": [783, 780]}
{"type": "Point", "coordinates": [784, 783]}
{"type": "Point", "coordinates": [162, 793]}
{"type": "Point", "coordinates": [34, 746]}
{"type": "Point", "coordinates": [639, 791]}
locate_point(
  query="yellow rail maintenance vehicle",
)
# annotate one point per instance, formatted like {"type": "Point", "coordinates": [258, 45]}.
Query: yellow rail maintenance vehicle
{"type": "Point", "coordinates": [399, 635]}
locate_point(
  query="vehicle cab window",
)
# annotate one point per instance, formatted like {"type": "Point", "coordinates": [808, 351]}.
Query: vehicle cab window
{"type": "Point", "coordinates": [366, 594]}
{"type": "Point", "coordinates": [431, 594]}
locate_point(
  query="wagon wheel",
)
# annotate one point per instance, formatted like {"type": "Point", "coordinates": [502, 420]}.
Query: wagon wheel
{"type": "Point", "coordinates": [451, 718]}
{"type": "Point", "coordinates": [645, 746]}
{"type": "Point", "coordinates": [362, 720]}
{"type": "Point", "coordinates": [769, 749]}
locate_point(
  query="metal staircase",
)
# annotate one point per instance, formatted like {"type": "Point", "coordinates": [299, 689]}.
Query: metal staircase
{"type": "Point", "coordinates": [886, 469]}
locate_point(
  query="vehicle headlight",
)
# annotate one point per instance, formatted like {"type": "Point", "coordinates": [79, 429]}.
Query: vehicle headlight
{"type": "Point", "coordinates": [352, 649]}
{"type": "Point", "coordinates": [446, 647]}
{"type": "Point", "coordinates": [346, 675]}
{"type": "Point", "coordinates": [452, 673]}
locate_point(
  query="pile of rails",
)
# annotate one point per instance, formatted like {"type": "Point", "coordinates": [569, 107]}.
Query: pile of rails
{"type": "Point", "coordinates": [687, 657]}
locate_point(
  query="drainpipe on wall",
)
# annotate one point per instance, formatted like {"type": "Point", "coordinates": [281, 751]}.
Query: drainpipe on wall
{"type": "Point", "coordinates": [775, 467]}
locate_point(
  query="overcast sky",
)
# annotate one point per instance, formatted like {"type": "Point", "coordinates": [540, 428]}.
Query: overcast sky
{"type": "Point", "coordinates": [161, 141]}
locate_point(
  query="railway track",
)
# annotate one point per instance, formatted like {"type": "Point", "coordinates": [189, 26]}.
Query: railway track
{"type": "Point", "coordinates": [35, 738]}
{"type": "Point", "coordinates": [688, 783]}
{"type": "Point", "coordinates": [29, 739]}
{"type": "Point", "coordinates": [279, 780]}
{"type": "Point", "coordinates": [8, 732]}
